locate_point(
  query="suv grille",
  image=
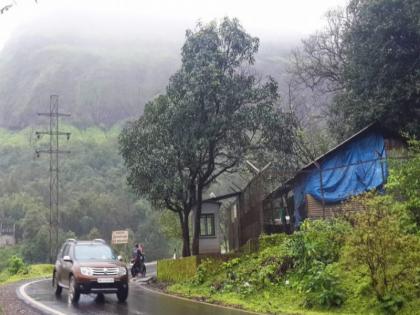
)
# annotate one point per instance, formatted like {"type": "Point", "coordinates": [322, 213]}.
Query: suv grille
{"type": "Point", "coordinates": [105, 271]}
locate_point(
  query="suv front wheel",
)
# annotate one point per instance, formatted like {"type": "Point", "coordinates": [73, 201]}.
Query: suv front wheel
{"type": "Point", "coordinates": [74, 293]}
{"type": "Point", "coordinates": [56, 286]}
{"type": "Point", "coordinates": [122, 294]}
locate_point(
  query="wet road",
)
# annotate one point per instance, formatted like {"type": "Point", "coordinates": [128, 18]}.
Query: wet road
{"type": "Point", "coordinates": [140, 301]}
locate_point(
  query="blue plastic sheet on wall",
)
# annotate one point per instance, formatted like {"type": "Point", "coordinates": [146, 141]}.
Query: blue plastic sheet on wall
{"type": "Point", "coordinates": [351, 169]}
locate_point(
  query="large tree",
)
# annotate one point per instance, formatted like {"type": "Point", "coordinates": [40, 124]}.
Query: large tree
{"type": "Point", "coordinates": [368, 57]}
{"type": "Point", "coordinates": [215, 111]}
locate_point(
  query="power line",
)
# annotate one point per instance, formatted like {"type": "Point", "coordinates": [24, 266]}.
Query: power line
{"type": "Point", "coordinates": [54, 151]}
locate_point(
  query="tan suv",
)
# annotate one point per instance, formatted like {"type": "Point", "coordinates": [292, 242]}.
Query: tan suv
{"type": "Point", "coordinates": [89, 267]}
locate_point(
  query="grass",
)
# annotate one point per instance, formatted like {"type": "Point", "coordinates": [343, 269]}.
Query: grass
{"type": "Point", "coordinates": [34, 271]}
{"type": "Point", "coordinates": [239, 283]}
{"type": "Point", "coordinates": [272, 301]}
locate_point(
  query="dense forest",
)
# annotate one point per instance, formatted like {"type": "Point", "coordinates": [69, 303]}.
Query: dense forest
{"type": "Point", "coordinates": [94, 201]}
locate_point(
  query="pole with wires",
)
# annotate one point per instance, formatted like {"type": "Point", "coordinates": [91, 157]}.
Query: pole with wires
{"type": "Point", "coordinates": [54, 152]}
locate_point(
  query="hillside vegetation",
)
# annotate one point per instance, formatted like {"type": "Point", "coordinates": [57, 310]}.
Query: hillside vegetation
{"type": "Point", "coordinates": [94, 201]}
{"type": "Point", "coordinates": [365, 263]}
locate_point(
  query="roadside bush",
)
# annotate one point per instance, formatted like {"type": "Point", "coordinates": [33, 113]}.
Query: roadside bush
{"type": "Point", "coordinates": [16, 265]}
{"type": "Point", "coordinates": [321, 286]}
{"type": "Point", "coordinates": [318, 241]}
{"type": "Point", "coordinates": [267, 241]}
{"type": "Point", "coordinates": [390, 256]}
{"type": "Point", "coordinates": [6, 253]}
{"type": "Point", "coordinates": [207, 269]}
{"type": "Point", "coordinates": [314, 250]}
{"type": "Point", "coordinates": [404, 184]}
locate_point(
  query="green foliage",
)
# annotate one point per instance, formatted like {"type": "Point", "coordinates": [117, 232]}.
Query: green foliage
{"type": "Point", "coordinates": [6, 253]}
{"type": "Point", "coordinates": [314, 250]}
{"type": "Point", "coordinates": [94, 233]}
{"type": "Point", "coordinates": [29, 272]}
{"type": "Point", "coordinates": [36, 249]}
{"type": "Point", "coordinates": [321, 286]}
{"type": "Point", "coordinates": [94, 198]}
{"type": "Point", "coordinates": [383, 86]}
{"type": "Point", "coordinates": [16, 265]}
{"type": "Point", "coordinates": [210, 117]}
{"type": "Point", "coordinates": [177, 270]}
{"type": "Point", "coordinates": [149, 234]}
{"type": "Point", "coordinates": [208, 267]}
{"type": "Point", "coordinates": [404, 185]}
{"type": "Point", "coordinates": [362, 87]}
{"type": "Point", "coordinates": [318, 241]}
{"type": "Point", "coordinates": [391, 256]}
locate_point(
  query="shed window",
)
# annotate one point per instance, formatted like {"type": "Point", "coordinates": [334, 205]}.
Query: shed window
{"type": "Point", "coordinates": [207, 225]}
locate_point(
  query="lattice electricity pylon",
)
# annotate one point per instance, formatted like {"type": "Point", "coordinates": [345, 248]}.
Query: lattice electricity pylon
{"type": "Point", "coordinates": [54, 151]}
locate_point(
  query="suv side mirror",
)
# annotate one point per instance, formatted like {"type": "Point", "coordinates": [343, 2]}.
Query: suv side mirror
{"type": "Point", "coordinates": [67, 258]}
{"type": "Point", "coordinates": [120, 258]}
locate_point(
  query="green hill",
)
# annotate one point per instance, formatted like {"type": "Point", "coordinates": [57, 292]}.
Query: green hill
{"type": "Point", "coordinates": [100, 80]}
{"type": "Point", "coordinates": [98, 83]}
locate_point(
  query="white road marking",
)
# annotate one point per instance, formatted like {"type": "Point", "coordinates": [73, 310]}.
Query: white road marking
{"type": "Point", "coordinates": [198, 302]}
{"type": "Point", "coordinates": [35, 303]}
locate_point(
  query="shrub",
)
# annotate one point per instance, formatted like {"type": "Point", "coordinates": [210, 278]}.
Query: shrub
{"type": "Point", "coordinates": [6, 253]}
{"type": "Point", "coordinates": [321, 286]}
{"type": "Point", "coordinates": [378, 244]}
{"type": "Point", "coordinates": [318, 241]}
{"type": "Point", "coordinates": [404, 184]}
{"type": "Point", "coordinates": [267, 241]}
{"type": "Point", "coordinates": [16, 265]}
{"type": "Point", "coordinates": [208, 267]}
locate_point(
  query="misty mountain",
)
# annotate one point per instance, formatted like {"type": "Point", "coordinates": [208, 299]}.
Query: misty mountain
{"type": "Point", "coordinates": [101, 80]}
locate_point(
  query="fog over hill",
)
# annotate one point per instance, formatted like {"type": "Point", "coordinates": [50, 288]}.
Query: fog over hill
{"type": "Point", "coordinates": [104, 73]}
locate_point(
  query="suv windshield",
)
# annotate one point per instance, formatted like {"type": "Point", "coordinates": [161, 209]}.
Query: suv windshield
{"type": "Point", "coordinates": [93, 252]}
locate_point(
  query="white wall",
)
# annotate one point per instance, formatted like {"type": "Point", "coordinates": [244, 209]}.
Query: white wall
{"type": "Point", "coordinates": [211, 245]}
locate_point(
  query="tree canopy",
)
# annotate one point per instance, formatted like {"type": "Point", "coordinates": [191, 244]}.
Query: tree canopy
{"type": "Point", "coordinates": [368, 57]}
{"type": "Point", "coordinates": [214, 112]}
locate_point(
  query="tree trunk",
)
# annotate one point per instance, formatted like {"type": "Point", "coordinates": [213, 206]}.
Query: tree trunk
{"type": "Point", "coordinates": [183, 219]}
{"type": "Point", "coordinates": [197, 226]}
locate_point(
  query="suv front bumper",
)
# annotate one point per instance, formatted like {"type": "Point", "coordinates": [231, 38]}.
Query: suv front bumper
{"type": "Point", "coordinates": [92, 285]}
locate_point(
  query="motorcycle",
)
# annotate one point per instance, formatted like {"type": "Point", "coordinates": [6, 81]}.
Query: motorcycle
{"type": "Point", "coordinates": [138, 267]}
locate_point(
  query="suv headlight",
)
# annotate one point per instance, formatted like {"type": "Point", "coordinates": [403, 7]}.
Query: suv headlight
{"type": "Point", "coordinates": [122, 271]}
{"type": "Point", "coordinates": [86, 271]}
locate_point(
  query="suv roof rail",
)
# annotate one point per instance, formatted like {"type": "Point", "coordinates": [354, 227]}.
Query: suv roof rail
{"type": "Point", "coordinates": [71, 240]}
{"type": "Point", "coordinates": [99, 240]}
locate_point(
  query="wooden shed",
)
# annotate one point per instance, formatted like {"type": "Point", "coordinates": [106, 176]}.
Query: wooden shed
{"type": "Point", "coordinates": [356, 165]}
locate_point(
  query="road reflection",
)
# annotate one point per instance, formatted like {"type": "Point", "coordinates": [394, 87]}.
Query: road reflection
{"type": "Point", "coordinates": [140, 302]}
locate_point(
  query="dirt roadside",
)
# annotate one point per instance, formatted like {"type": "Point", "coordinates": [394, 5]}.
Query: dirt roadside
{"type": "Point", "coordinates": [10, 303]}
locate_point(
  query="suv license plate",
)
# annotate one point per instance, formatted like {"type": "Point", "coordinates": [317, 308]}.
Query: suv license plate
{"type": "Point", "coordinates": [105, 280]}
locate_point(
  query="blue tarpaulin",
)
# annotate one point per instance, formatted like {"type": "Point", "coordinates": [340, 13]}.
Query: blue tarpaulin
{"type": "Point", "coordinates": [349, 170]}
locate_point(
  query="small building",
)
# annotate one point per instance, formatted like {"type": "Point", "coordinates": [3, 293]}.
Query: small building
{"type": "Point", "coordinates": [245, 217]}
{"type": "Point", "coordinates": [270, 204]}
{"type": "Point", "coordinates": [355, 166]}
{"type": "Point", "coordinates": [7, 234]}
{"type": "Point", "coordinates": [210, 236]}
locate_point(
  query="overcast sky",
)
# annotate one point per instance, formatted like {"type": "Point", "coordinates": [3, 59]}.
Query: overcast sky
{"type": "Point", "coordinates": [278, 19]}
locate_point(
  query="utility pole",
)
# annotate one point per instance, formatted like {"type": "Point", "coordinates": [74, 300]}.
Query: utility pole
{"type": "Point", "coordinates": [54, 151]}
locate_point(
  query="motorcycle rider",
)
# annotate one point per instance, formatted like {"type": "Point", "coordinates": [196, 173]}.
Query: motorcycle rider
{"type": "Point", "coordinates": [138, 261]}
{"type": "Point", "coordinates": [135, 261]}
{"type": "Point", "coordinates": [142, 261]}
